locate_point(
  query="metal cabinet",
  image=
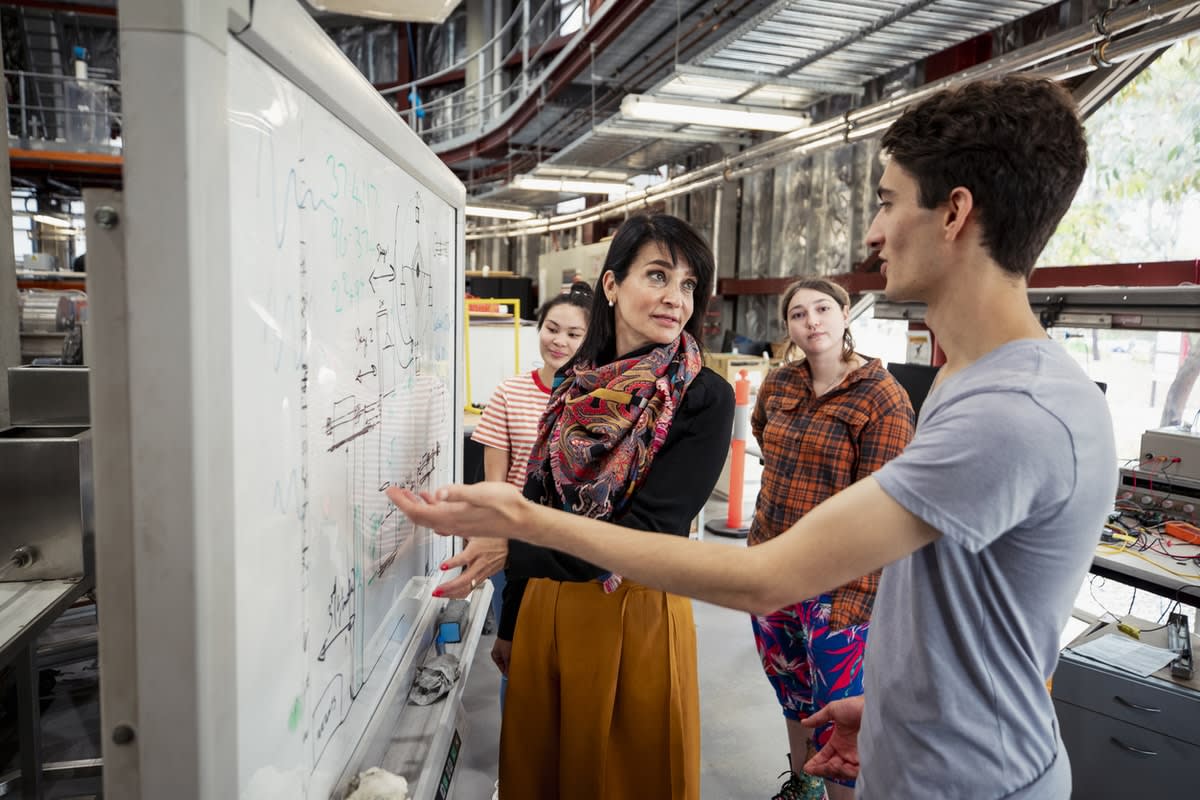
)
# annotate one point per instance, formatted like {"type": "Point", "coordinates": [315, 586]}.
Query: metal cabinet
{"type": "Point", "coordinates": [1126, 736]}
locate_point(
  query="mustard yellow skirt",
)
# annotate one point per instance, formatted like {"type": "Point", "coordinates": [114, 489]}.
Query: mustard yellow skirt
{"type": "Point", "coordinates": [603, 700]}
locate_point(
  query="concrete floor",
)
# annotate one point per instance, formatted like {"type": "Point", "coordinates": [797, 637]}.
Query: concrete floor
{"type": "Point", "coordinates": [743, 740]}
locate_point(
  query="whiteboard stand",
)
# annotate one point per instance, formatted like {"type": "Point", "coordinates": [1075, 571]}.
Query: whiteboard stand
{"type": "Point", "coordinates": [108, 396]}
{"type": "Point", "coordinates": [276, 215]}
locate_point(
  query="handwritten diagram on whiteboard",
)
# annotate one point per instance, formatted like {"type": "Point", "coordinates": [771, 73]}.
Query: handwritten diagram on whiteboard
{"type": "Point", "coordinates": [343, 299]}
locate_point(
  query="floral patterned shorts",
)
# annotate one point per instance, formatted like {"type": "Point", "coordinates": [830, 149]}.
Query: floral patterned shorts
{"type": "Point", "coordinates": [807, 664]}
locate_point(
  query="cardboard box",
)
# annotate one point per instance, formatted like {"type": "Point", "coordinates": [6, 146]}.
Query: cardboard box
{"type": "Point", "coordinates": [728, 365]}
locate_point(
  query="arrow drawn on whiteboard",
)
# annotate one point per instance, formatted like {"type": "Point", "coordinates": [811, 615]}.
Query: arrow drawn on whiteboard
{"type": "Point", "coordinates": [389, 276]}
{"type": "Point", "coordinates": [365, 373]}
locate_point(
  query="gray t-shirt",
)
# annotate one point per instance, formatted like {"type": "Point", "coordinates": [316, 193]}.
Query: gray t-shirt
{"type": "Point", "coordinates": [1014, 462]}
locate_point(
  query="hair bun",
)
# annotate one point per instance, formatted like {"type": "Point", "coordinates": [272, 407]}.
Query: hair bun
{"type": "Point", "coordinates": [580, 289]}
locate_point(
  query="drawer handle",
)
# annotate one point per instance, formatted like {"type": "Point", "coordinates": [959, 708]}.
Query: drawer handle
{"type": "Point", "coordinates": [1132, 749]}
{"type": "Point", "coordinates": [1126, 703]}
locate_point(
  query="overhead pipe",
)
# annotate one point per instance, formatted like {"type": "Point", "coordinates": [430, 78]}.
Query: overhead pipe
{"type": "Point", "coordinates": [1110, 53]}
{"type": "Point", "coordinates": [864, 122]}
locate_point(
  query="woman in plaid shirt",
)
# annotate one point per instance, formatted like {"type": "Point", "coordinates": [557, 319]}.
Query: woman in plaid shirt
{"type": "Point", "coordinates": [823, 422]}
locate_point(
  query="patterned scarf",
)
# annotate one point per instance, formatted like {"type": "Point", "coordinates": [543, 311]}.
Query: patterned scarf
{"type": "Point", "coordinates": [603, 427]}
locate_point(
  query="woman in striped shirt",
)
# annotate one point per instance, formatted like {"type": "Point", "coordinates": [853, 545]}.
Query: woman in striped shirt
{"type": "Point", "coordinates": [510, 422]}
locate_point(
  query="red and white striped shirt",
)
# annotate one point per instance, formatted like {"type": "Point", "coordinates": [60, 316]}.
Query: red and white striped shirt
{"type": "Point", "coordinates": [510, 421]}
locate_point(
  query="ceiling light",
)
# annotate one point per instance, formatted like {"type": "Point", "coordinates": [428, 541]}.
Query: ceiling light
{"type": "Point", "coordinates": [720, 115]}
{"type": "Point", "coordinates": [45, 219]}
{"type": "Point", "coordinates": [498, 213]}
{"type": "Point", "coordinates": [569, 185]}
{"type": "Point", "coordinates": [434, 11]}
{"type": "Point", "coordinates": [586, 173]}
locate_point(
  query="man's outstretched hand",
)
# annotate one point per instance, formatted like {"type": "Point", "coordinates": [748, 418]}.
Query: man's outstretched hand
{"type": "Point", "coordinates": [839, 757]}
{"type": "Point", "coordinates": [490, 508]}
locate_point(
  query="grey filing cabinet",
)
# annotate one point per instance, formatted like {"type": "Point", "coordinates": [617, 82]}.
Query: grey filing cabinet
{"type": "Point", "coordinates": [1126, 736]}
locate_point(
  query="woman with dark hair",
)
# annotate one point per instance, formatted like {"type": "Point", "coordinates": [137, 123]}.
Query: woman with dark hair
{"type": "Point", "coordinates": [823, 421]}
{"type": "Point", "coordinates": [603, 697]}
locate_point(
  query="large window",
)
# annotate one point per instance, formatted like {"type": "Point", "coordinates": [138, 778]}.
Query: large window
{"type": "Point", "coordinates": [1141, 196]}
{"type": "Point", "coordinates": [1139, 202]}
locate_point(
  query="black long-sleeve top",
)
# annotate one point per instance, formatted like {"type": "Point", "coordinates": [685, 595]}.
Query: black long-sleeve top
{"type": "Point", "coordinates": [680, 480]}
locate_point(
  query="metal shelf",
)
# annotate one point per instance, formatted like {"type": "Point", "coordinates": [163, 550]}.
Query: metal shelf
{"type": "Point", "coordinates": [1152, 308]}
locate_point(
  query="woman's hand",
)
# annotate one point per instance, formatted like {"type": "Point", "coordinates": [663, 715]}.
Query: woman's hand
{"type": "Point", "coordinates": [489, 509]}
{"type": "Point", "coordinates": [482, 558]}
{"type": "Point", "coordinates": [502, 654]}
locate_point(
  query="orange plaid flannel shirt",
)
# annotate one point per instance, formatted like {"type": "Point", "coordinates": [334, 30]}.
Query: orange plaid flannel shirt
{"type": "Point", "coordinates": [813, 447]}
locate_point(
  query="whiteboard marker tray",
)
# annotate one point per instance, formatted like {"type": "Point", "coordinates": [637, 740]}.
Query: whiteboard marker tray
{"type": "Point", "coordinates": [424, 743]}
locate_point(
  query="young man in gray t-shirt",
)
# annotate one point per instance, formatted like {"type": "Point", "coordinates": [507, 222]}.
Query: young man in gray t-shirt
{"type": "Point", "coordinates": [985, 524]}
{"type": "Point", "coordinates": [1014, 465]}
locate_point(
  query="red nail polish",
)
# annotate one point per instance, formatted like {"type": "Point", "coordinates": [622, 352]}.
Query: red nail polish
{"type": "Point", "coordinates": [437, 592]}
{"type": "Point", "coordinates": [443, 567]}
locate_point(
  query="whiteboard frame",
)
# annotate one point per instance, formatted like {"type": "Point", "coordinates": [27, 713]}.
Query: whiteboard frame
{"type": "Point", "coordinates": [166, 441]}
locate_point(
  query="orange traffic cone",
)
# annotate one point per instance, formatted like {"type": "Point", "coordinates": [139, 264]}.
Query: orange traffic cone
{"type": "Point", "coordinates": [737, 461]}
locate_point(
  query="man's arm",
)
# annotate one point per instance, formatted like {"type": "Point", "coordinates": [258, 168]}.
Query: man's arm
{"type": "Point", "coordinates": [855, 532]}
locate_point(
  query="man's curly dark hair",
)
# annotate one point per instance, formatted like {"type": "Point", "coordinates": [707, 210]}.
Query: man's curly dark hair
{"type": "Point", "coordinates": [1015, 143]}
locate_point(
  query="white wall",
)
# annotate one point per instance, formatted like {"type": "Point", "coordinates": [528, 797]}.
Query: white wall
{"type": "Point", "coordinates": [586, 261]}
{"type": "Point", "coordinates": [491, 358]}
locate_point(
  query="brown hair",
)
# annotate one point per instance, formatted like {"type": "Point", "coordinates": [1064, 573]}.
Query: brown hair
{"type": "Point", "coordinates": [824, 286]}
{"type": "Point", "coordinates": [1015, 143]}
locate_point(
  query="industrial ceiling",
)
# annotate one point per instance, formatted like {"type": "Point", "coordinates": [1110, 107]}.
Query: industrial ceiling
{"type": "Point", "coordinates": [799, 55]}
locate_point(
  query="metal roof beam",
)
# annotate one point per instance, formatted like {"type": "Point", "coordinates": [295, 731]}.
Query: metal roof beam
{"type": "Point", "coordinates": [850, 38]}
{"type": "Point", "coordinates": [748, 25]}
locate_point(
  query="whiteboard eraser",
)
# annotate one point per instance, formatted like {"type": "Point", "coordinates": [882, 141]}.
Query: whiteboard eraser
{"type": "Point", "coordinates": [378, 784]}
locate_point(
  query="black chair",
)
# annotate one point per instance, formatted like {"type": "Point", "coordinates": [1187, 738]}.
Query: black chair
{"type": "Point", "coordinates": [916, 379]}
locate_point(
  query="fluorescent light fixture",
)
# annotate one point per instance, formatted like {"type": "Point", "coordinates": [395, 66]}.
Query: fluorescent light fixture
{"type": "Point", "coordinates": [569, 185]}
{"type": "Point", "coordinates": [46, 219]}
{"type": "Point", "coordinates": [585, 173]}
{"type": "Point", "coordinates": [719, 115]}
{"type": "Point", "coordinates": [434, 11]}
{"type": "Point", "coordinates": [498, 213]}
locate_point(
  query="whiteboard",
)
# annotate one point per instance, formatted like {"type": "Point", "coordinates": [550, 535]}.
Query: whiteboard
{"type": "Point", "coordinates": [292, 291]}
{"type": "Point", "coordinates": [343, 296]}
